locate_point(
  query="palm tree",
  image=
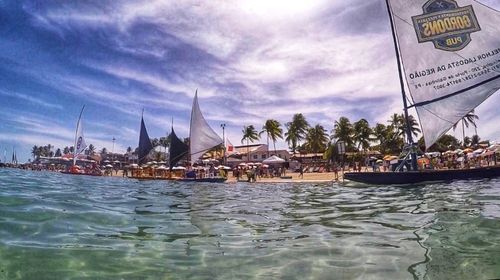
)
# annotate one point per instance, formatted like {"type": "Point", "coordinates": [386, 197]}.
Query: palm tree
{"type": "Point", "coordinates": [34, 152]}
{"type": "Point", "coordinates": [155, 142]}
{"type": "Point", "coordinates": [398, 122]}
{"type": "Point", "coordinates": [104, 151]}
{"type": "Point", "coordinates": [250, 135]}
{"type": "Point", "coordinates": [164, 142]}
{"type": "Point", "coordinates": [66, 150]}
{"type": "Point", "coordinates": [296, 131]}
{"type": "Point", "coordinates": [91, 150]}
{"type": "Point", "coordinates": [469, 118]}
{"type": "Point", "coordinates": [475, 140]}
{"type": "Point", "coordinates": [342, 131]}
{"type": "Point", "coordinates": [467, 141]}
{"type": "Point", "coordinates": [316, 139]}
{"type": "Point", "coordinates": [273, 130]}
{"type": "Point", "coordinates": [380, 133]}
{"type": "Point", "coordinates": [414, 126]}
{"type": "Point", "coordinates": [129, 149]}
{"type": "Point", "coordinates": [362, 133]}
{"type": "Point", "coordinates": [58, 152]}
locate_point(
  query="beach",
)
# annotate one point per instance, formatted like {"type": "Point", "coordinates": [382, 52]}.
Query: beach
{"type": "Point", "coordinates": [290, 177]}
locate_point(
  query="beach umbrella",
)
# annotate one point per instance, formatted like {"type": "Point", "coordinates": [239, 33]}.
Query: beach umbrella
{"type": "Point", "coordinates": [223, 167]}
{"type": "Point", "coordinates": [423, 160]}
{"type": "Point", "coordinates": [109, 166]}
{"type": "Point", "coordinates": [116, 161]}
{"type": "Point", "coordinates": [379, 161]}
{"type": "Point", "coordinates": [478, 151]}
{"type": "Point", "coordinates": [488, 153]}
{"type": "Point", "coordinates": [265, 166]}
{"type": "Point", "coordinates": [179, 168]}
{"type": "Point", "coordinates": [106, 161]}
{"type": "Point", "coordinates": [162, 167]}
{"type": "Point", "coordinates": [242, 164]}
{"type": "Point", "coordinates": [134, 165]}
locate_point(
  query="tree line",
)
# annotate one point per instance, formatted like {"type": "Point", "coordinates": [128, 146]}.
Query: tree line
{"type": "Point", "coordinates": [358, 136]}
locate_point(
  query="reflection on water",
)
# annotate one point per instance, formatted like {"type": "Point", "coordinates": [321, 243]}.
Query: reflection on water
{"type": "Point", "coordinates": [58, 226]}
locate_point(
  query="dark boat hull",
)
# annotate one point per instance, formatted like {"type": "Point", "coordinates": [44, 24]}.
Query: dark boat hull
{"type": "Point", "coordinates": [415, 177]}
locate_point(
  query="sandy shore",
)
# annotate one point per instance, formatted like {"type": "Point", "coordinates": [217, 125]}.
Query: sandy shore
{"type": "Point", "coordinates": [308, 177]}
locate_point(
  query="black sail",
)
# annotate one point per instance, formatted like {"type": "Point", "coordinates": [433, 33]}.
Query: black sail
{"type": "Point", "coordinates": [178, 149]}
{"type": "Point", "coordinates": [145, 145]}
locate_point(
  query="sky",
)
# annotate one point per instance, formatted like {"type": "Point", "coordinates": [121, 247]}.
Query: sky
{"type": "Point", "coordinates": [250, 60]}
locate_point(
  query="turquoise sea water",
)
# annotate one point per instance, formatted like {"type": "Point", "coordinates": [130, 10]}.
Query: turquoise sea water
{"type": "Point", "coordinates": [55, 226]}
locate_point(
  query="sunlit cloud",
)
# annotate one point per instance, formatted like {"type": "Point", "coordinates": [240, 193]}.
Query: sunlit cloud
{"type": "Point", "coordinates": [250, 60]}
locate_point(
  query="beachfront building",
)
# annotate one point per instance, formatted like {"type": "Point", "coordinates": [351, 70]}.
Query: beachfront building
{"type": "Point", "coordinates": [257, 153]}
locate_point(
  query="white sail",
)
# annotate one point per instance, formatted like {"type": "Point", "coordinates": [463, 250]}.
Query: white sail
{"type": "Point", "coordinates": [80, 144]}
{"type": "Point", "coordinates": [450, 51]}
{"type": "Point", "coordinates": [201, 136]}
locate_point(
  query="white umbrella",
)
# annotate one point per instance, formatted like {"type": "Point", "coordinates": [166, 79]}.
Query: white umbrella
{"type": "Point", "coordinates": [106, 161]}
{"type": "Point", "coordinates": [109, 166]}
{"type": "Point", "coordinates": [478, 151]}
{"type": "Point", "coordinates": [242, 164]}
{"type": "Point", "coordinates": [116, 161]}
{"type": "Point", "coordinates": [179, 168]}
{"type": "Point", "coordinates": [162, 167]}
{"type": "Point", "coordinates": [223, 167]}
{"type": "Point", "coordinates": [134, 165]}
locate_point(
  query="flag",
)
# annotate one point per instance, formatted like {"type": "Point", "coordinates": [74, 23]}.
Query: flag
{"type": "Point", "coordinates": [229, 147]}
{"type": "Point", "coordinates": [450, 53]}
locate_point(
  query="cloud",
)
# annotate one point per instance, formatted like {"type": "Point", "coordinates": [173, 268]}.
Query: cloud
{"type": "Point", "coordinates": [250, 60]}
{"type": "Point", "coordinates": [30, 99]}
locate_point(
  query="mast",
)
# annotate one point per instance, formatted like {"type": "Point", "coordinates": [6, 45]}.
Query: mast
{"type": "Point", "coordinates": [401, 82]}
{"type": "Point", "coordinates": [76, 135]}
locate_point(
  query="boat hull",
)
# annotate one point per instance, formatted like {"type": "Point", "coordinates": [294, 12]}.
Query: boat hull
{"type": "Point", "coordinates": [415, 177]}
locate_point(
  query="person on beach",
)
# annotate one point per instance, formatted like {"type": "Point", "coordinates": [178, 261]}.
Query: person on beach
{"type": "Point", "coordinates": [301, 172]}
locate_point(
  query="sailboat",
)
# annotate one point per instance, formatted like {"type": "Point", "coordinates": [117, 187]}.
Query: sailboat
{"type": "Point", "coordinates": [145, 145]}
{"type": "Point", "coordinates": [177, 150]}
{"type": "Point", "coordinates": [202, 138]}
{"type": "Point", "coordinates": [79, 148]}
{"type": "Point", "coordinates": [448, 53]}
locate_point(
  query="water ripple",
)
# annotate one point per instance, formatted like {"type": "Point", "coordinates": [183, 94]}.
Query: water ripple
{"type": "Point", "coordinates": [54, 226]}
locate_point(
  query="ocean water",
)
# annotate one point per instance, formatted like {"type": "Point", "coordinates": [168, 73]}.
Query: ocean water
{"type": "Point", "coordinates": [55, 226]}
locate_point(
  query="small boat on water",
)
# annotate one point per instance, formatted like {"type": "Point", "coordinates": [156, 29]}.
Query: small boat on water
{"type": "Point", "coordinates": [448, 73]}
{"type": "Point", "coordinates": [202, 138]}
{"type": "Point", "coordinates": [417, 177]}
{"type": "Point", "coordinates": [78, 149]}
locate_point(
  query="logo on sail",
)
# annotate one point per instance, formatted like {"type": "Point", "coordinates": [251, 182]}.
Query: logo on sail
{"type": "Point", "coordinates": [446, 24]}
{"type": "Point", "coordinates": [79, 143]}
